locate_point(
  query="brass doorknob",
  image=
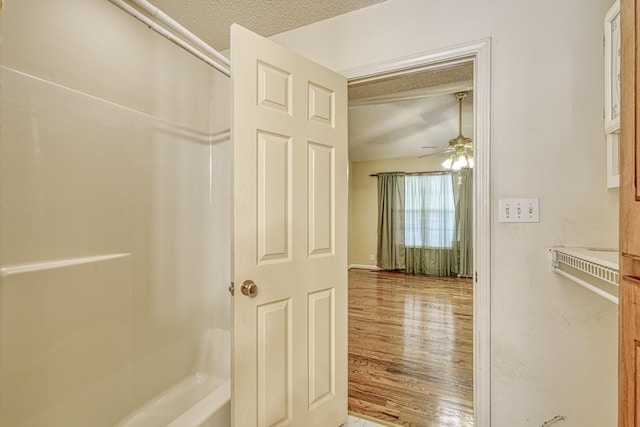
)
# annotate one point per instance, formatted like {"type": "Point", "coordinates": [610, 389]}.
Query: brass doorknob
{"type": "Point", "coordinates": [249, 288]}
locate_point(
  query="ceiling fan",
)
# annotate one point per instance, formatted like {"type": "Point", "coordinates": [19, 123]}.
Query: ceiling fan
{"type": "Point", "coordinates": [461, 147]}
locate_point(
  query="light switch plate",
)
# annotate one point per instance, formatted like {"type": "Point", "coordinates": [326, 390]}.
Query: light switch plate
{"type": "Point", "coordinates": [519, 210]}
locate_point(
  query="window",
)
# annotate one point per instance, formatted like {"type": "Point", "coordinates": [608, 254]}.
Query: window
{"type": "Point", "coordinates": [429, 211]}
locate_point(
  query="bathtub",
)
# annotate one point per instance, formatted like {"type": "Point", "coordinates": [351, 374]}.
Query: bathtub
{"type": "Point", "coordinates": [202, 399]}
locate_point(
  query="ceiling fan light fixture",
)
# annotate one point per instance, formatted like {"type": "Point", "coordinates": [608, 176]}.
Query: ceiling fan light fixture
{"type": "Point", "coordinates": [462, 146]}
{"type": "Point", "coordinates": [461, 162]}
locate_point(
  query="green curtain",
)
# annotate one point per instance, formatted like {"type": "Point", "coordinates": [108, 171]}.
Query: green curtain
{"type": "Point", "coordinates": [462, 182]}
{"type": "Point", "coordinates": [391, 250]}
{"type": "Point", "coordinates": [431, 261]}
{"type": "Point", "coordinates": [430, 225]}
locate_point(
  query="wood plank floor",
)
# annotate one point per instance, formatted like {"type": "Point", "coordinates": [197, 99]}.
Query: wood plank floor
{"type": "Point", "coordinates": [411, 348]}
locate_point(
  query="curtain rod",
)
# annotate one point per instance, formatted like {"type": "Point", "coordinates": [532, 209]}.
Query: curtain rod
{"type": "Point", "coordinates": [415, 173]}
{"type": "Point", "coordinates": [189, 41]}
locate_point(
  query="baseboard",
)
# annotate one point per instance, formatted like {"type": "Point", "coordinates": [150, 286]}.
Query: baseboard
{"type": "Point", "coordinates": [364, 267]}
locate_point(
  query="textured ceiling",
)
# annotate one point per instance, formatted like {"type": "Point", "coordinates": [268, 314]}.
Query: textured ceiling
{"type": "Point", "coordinates": [396, 117]}
{"type": "Point", "coordinates": [210, 19]}
{"type": "Point", "coordinates": [423, 84]}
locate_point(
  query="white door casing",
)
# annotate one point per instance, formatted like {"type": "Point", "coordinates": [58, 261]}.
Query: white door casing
{"type": "Point", "coordinates": [290, 215]}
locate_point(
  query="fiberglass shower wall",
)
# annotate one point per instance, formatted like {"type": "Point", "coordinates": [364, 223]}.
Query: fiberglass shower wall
{"type": "Point", "coordinates": [114, 212]}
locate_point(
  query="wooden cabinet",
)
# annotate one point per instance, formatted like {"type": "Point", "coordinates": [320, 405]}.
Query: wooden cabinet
{"type": "Point", "coordinates": [629, 367]}
{"type": "Point", "coordinates": [629, 353]}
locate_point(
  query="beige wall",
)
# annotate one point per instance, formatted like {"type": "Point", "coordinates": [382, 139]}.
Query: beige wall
{"type": "Point", "coordinates": [363, 213]}
{"type": "Point", "coordinates": [553, 344]}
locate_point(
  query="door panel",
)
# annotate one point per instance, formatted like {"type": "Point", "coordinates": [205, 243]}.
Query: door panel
{"type": "Point", "coordinates": [274, 197]}
{"type": "Point", "coordinates": [321, 199]}
{"type": "Point", "coordinates": [290, 209]}
{"type": "Point", "coordinates": [274, 88]}
{"type": "Point", "coordinates": [275, 395]}
{"type": "Point", "coordinates": [321, 347]}
{"type": "Point", "coordinates": [321, 105]}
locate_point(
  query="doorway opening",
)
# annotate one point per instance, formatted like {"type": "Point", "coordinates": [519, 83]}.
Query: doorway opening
{"type": "Point", "coordinates": [383, 77]}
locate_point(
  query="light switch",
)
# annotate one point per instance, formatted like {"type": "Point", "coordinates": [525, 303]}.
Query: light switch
{"type": "Point", "coordinates": [519, 210]}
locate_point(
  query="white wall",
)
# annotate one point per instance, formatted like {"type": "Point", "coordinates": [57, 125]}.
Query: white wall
{"type": "Point", "coordinates": [554, 345]}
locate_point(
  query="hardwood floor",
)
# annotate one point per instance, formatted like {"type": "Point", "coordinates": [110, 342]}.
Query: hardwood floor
{"type": "Point", "coordinates": [411, 348]}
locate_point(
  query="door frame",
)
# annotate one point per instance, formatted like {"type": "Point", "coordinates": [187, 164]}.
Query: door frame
{"type": "Point", "coordinates": [479, 53]}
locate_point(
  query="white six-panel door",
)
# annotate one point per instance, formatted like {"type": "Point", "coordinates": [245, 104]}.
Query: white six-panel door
{"type": "Point", "coordinates": [290, 214]}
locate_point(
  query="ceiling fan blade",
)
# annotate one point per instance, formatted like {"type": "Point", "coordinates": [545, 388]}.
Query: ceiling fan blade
{"type": "Point", "coordinates": [441, 151]}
